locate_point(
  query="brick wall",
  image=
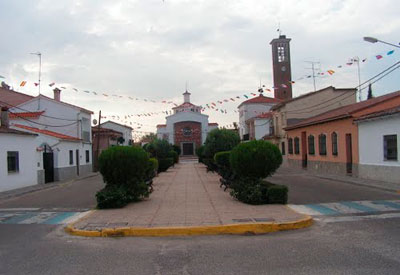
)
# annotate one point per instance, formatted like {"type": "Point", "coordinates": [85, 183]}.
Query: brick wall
{"type": "Point", "coordinates": [195, 135]}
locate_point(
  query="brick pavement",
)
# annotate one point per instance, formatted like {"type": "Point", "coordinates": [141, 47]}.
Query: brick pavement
{"type": "Point", "coordinates": [186, 195]}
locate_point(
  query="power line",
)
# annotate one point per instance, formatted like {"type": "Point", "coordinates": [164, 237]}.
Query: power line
{"type": "Point", "coordinates": [38, 123]}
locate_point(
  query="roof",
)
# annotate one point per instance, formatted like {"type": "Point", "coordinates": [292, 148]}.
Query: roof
{"type": "Point", "coordinates": [109, 121]}
{"type": "Point", "coordinates": [161, 125]}
{"type": "Point", "coordinates": [261, 99]}
{"type": "Point", "coordinates": [213, 124]}
{"type": "Point", "coordinates": [25, 115]}
{"type": "Point", "coordinates": [185, 105]}
{"type": "Point", "coordinates": [12, 98]}
{"type": "Point", "coordinates": [312, 93]}
{"type": "Point", "coordinates": [343, 112]}
{"type": "Point", "coordinates": [66, 104]}
{"type": "Point", "coordinates": [6, 130]}
{"type": "Point", "coordinates": [47, 132]}
{"type": "Point", "coordinates": [388, 112]}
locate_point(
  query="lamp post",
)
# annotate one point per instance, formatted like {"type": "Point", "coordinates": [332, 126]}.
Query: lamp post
{"type": "Point", "coordinates": [375, 40]}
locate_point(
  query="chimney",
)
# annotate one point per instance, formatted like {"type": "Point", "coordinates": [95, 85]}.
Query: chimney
{"type": "Point", "coordinates": [57, 94]}
{"type": "Point", "coordinates": [4, 117]}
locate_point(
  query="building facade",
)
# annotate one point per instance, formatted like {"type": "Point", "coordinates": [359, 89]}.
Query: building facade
{"type": "Point", "coordinates": [187, 127]}
{"type": "Point", "coordinates": [124, 129]}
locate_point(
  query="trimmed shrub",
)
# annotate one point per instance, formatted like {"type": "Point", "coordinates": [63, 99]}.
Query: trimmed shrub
{"type": "Point", "coordinates": [112, 197]}
{"type": "Point", "coordinates": [123, 165]}
{"type": "Point", "coordinates": [174, 155]}
{"type": "Point", "coordinates": [256, 159]}
{"type": "Point", "coordinates": [177, 149]}
{"type": "Point", "coordinates": [199, 153]}
{"type": "Point", "coordinates": [164, 164]}
{"type": "Point", "coordinates": [161, 148]}
{"type": "Point", "coordinates": [250, 191]}
{"type": "Point", "coordinates": [278, 194]}
{"type": "Point", "coordinates": [152, 169]}
{"type": "Point", "coordinates": [222, 161]}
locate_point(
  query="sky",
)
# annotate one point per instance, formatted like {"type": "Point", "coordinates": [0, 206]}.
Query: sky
{"type": "Point", "coordinates": [154, 49]}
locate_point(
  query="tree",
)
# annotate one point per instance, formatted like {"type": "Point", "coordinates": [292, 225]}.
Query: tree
{"type": "Point", "coordinates": [148, 138]}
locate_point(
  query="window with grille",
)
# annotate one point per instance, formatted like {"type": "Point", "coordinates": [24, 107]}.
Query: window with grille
{"type": "Point", "coordinates": [290, 146]}
{"type": "Point", "coordinates": [334, 144]}
{"type": "Point", "coordinates": [311, 145]}
{"type": "Point", "coordinates": [283, 148]}
{"type": "Point", "coordinates": [322, 144]}
{"type": "Point", "coordinates": [13, 162]}
{"type": "Point", "coordinates": [296, 145]}
{"type": "Point", "coordinates": [390, 147]}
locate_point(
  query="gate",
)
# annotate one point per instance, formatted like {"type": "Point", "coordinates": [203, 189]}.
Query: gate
{"type": "Point", "coordinates": [188, 149]}
{"type": "Point", "coordinates": [48, 165]}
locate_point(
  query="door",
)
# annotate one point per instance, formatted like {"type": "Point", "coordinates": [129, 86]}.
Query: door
{"type": "Point", "coordinates": [77, 162]}
{"type": "Point", "coordinates": [349, 154]}
{"type": "Point", "coordinates": [304, 149]}
{"type": "Point", "coordinates": [48, 166]}
{"type": "Point", "coordinates": [188, 149]}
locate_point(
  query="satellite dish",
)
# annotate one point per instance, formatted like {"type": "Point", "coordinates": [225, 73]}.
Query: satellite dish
{"type": "Point", "coordinates": [94, 121]}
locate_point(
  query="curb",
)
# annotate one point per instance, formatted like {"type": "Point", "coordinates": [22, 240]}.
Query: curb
{"type": "Point", "coordinates": [232, 229]}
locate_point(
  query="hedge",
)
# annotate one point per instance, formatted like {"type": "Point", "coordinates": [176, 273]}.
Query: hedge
{"type": "Point", "coordinates": [174, 155]}
{"type": "Point", "coordinates": [164, 164]}
{"type": "Point", "coordinates": [278, 194]}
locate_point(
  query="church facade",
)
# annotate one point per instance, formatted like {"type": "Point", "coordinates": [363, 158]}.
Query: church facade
{"type": "Point", "coordinates": [187, 127]}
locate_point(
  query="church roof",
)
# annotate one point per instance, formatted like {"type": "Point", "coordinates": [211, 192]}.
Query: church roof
{"type": "Point", "coordinates": [260, 99]}
{"type": "Point", "coordinates": [185, 105]}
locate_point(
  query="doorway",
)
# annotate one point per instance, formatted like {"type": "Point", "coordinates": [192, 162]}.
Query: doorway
{"type": "Point", "coordinates": [304, 149]}
{"type": "Point", "coordinates": [77, 161]}
{"type": "Point", "coordinates": [48, 166]}
{"type": "Point", "coordinates": [349, 154]}
{"type": "Point", "coordinates": [188, 149]}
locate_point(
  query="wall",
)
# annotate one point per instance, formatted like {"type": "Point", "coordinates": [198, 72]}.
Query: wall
{"type": "Point", "coordinates": [186, 116]}
{"type": "Point", "coordinates": [248, 111]}
{"type": "Point", "coordinates": [194, 137]}
{"type": "Point", "coordinates": [28, 170]}
{"type": "Point", "coordinates": [373, 165]}
{"type": "Point", "coordinates": [126, 132]}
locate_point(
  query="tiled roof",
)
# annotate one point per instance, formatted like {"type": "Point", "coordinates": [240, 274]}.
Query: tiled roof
{"type": "Point", "coordinates": [12, 98]}
{"type": "Point", "coordinates": [185, 105]}
{"type": "Point", "coordinates": [47, 132]}
{"type": "Point", "coordinates": [25, 115]}
{"type": "Point", "coordinates": [161, 125]}
{"type": "Point", "coordinates": [261, 99]}
{"type": "Point", "coordinates": [387, 112]}
{"type": "Point", "coordinates": [343, 112]}
{"type": "Point", "coordinates": [265, 115]}
{"type": "Point", "coordinates": [213, 124]}
{"type": "Point", "coordinates": [6, 130]}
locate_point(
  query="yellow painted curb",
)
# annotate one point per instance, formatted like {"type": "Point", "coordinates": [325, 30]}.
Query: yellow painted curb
{"type": "Point", "coordinates": [237, 229]}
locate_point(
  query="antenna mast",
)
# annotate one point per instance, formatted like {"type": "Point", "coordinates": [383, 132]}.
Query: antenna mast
{"type": "Point", "coordinates": [313, 71]}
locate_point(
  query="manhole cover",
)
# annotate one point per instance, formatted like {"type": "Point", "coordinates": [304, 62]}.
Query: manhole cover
{"type": "Point", "coordinates": [264, 219]}
{"type": "Point", "coordinates": [242, 220]}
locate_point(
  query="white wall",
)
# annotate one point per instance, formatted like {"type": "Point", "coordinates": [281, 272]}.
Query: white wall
{"type": "Point", "coordinates": [247, 111]}
{"type": "Point", "coordinates": [261, 128]}
{"type": "Point", "coordinates": [370, 136]}
{"type": "Point", "coordinates": [28, 161]}
{"type": "Point", "coordinates": [126, 131]}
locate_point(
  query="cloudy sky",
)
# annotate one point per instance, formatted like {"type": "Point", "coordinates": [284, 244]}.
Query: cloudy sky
{"type": "Point", "coordinates": [150, 49]}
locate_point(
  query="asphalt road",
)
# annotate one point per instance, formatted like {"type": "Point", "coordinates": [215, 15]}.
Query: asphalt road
{"type": "Point", "coordinates": [367, 247]}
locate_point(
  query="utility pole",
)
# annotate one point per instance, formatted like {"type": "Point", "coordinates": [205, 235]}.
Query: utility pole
{"type": "Point", "coordinates": [313, 71]}
{"type": "Point", "coordinates": [98, 143]}
{"type": "Point", "coordinates": [357, 60]}
{"type": "Point", "coordinates": [40, 74]}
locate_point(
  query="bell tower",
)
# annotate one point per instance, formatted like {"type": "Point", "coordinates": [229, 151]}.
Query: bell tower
{"type": "Point", "coordinates": [281, 67]}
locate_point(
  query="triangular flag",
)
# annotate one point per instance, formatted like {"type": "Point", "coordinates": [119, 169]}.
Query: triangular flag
{"type": "Point", "coordinates": [52, 84]}
{"type": "Point", "coordinates": [36, 84]}
{"type": "Point", "coordinates": [390, 52]}
{"type": "Point", "coordinates": [379, 56]}
{"type": "Point", "coordinates": [75, 89]}
{"type": "Point", "coordinates": [245, 96]}
{"type": "Point", "coordinates": [331, 72]}
{"type": "Point", "coordinates": [364, 60]}
{"type": "Point", "coordinates": [22, 83]}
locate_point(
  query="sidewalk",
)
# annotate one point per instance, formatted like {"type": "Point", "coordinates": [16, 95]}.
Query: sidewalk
{"type": "Point", "coordinates": [188, 201]}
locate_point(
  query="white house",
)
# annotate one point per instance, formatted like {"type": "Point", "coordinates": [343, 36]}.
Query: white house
{"type": "Point", "coordinates": [379, 145]}
{"type": "Point", "coordinates": [187, 127]}
{"type": "Point", "coordinates": [124, 129]}
{"type": "Point", "coordinates": [19, 160]}
{"type": "Point", "coordinates": [254, 116]}
{"type": "Point", "coordinates": [64, 135]}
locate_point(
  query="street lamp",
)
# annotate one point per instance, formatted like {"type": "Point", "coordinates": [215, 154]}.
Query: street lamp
{"type": "Point", "coordinates": [375, 40]}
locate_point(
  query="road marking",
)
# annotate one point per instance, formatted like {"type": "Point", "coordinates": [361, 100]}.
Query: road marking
{"type": "Point", "coordinates": [392, 204]}
{"type": "Point", "coordinates": [324, 210]}
{"type": "Point", "coordinates": [359, 207]}
{"type": "Point", "coordinates": [59, 218]}
{"type": "Point", "coordinates": [32, 217]}
{"type": "Point", "coordinates": [357, 218]}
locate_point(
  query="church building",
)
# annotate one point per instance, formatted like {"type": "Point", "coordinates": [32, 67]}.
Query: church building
{"type": "Point", "coordinates": [187, 127]}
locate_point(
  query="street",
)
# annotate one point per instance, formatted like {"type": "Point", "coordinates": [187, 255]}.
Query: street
{"type": "Point", "coordinates": [354, 243]}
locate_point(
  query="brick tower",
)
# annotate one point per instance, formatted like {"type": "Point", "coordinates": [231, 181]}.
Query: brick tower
{"type": "Point", "coordinates": [281, 67]}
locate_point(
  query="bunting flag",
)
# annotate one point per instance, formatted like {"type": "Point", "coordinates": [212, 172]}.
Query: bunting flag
{"type": "Point", "coordinates": [52, 84]}
{"type": "Point", "coordinates": [390, 52]}
{"type": "Point", "coordinates": [379, 56]}
{"type": "Point", "coordinates": [75, 89]}
{"type": "Point", "coordinates": [331, 72]}
{"type": "Point", "coordinates": [22, 83]}
{"type": "Point", "coordinates": [245, 96]}
{"type": "Point", "coordinates": [2, 76]}
{"type": "Point", "coordinates": [36, 84]}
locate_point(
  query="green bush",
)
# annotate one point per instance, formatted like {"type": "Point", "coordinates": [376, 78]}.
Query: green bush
{"type": "Point", "coordinates": [161, 148]}
{"type": "Point", "coordinates": [250, 191]}
{"type": "Point", "coordinates": [222, 161]}
{"type": "Point", "coordinates": [123, 165]}
{"type": "Point", "coordinates": [152, 169]}
{"type": "Point", "coordinates": [174, 155]}
{"type": "Point", "coordinates": [278, 194]}
{"type": "Point", "coordinates": [199, 153]}
{"type": "Point", "coordinates": [164, 164]}
{"type": "Point", "coordinates": [112, 197]}
{"type": "Point", "coordinates": [177, 149]}
{"type": "Point", "coordinates": [219, 140]}
{"type": "Point", "coordinates": [256, 159]}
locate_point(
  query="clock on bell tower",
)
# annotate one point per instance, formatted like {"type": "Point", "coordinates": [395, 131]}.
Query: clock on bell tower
{"type": "Point", "coordinates": [281, 67]}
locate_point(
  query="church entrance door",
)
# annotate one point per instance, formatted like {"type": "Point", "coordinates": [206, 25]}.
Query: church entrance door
{"type": "Point", "coordinates": [188, 149]}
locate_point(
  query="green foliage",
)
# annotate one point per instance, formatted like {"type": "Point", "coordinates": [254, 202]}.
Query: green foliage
{"type": "Point", "coordinates": [177, 149]}
{"type": "Point", "coordinates": [164, 164]}
{"type": "Point", "coordinates": [152, 168]}
{"type": "Point", "coordinates": [222, 161]}
{"type": "Point", "coordinates": [219, 140]}
{"type": "Point", "coordinates": [200, 153]}
{"type": "Point", "coordinates": [256, 159]}
{"type": "Point", "coordinates": [122, 165]}
{"type": "Point", "coordinates": [174, 155]}
{"type": "Point", "coordinates": [250, 191]}
{"type": "Point", "coordinates": [124, 170]}
{"type": "Point", "coordinates": [158, 148]}
{"type": "Point", "coordinates": [278, 194]}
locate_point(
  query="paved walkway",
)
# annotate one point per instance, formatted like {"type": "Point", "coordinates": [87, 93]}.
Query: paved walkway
{"type": "Point", "coordinates": [187, 195]}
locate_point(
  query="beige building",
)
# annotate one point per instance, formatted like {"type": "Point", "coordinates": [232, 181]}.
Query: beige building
{"type": "Point", "coordinates": [304, 106]}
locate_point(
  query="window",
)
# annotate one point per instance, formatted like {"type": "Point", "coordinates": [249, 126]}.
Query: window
{"type": "Point", "coordinates": [334, 144]}
{"type": "Point", "coordinates": [290, 146]}
{"type": "Point", "coordinates": [283, 148]}
{"type": "Point", "coordinates": [187, 132]}
{"type": "Point", "coordinates": [12, 162]}
{"type": "Point", "coordinates": [281, 52]}
{"type": "Point", "coordinates": [87, 156]}
{"type": "Point", "coordinates": [390, 147]}
{"type": "Point", "coordinates": [311, 145]}
{"type": "Point", "coordinates": [322, 144]}
{"type": "Point", "coordinates": [71, 157]}
{"type": "Point", "coordinates": [296, 145]}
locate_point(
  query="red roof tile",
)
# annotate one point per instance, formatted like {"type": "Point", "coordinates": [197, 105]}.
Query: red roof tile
{"type": "Point", "coordinates": [161, 125]}
{"type": "Point", "coordinates": [25, 115]}
{"type": "Point", "coordinates": [12, 98]}
{"type": "Point", "coordinates": [47, 132]}
{"type": "Point", "coordinates": [185, 105]}
{"type": "Point", "coordinates": [261, 99]}
{"type": "Point", "coordinates": [213, 124]}
{"type": "Point", "coordinates": [343, 112]}
{"type": "Point", "coordinates": [387, 112]}
{"type": "Point", "coordinates": [265, 115]}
